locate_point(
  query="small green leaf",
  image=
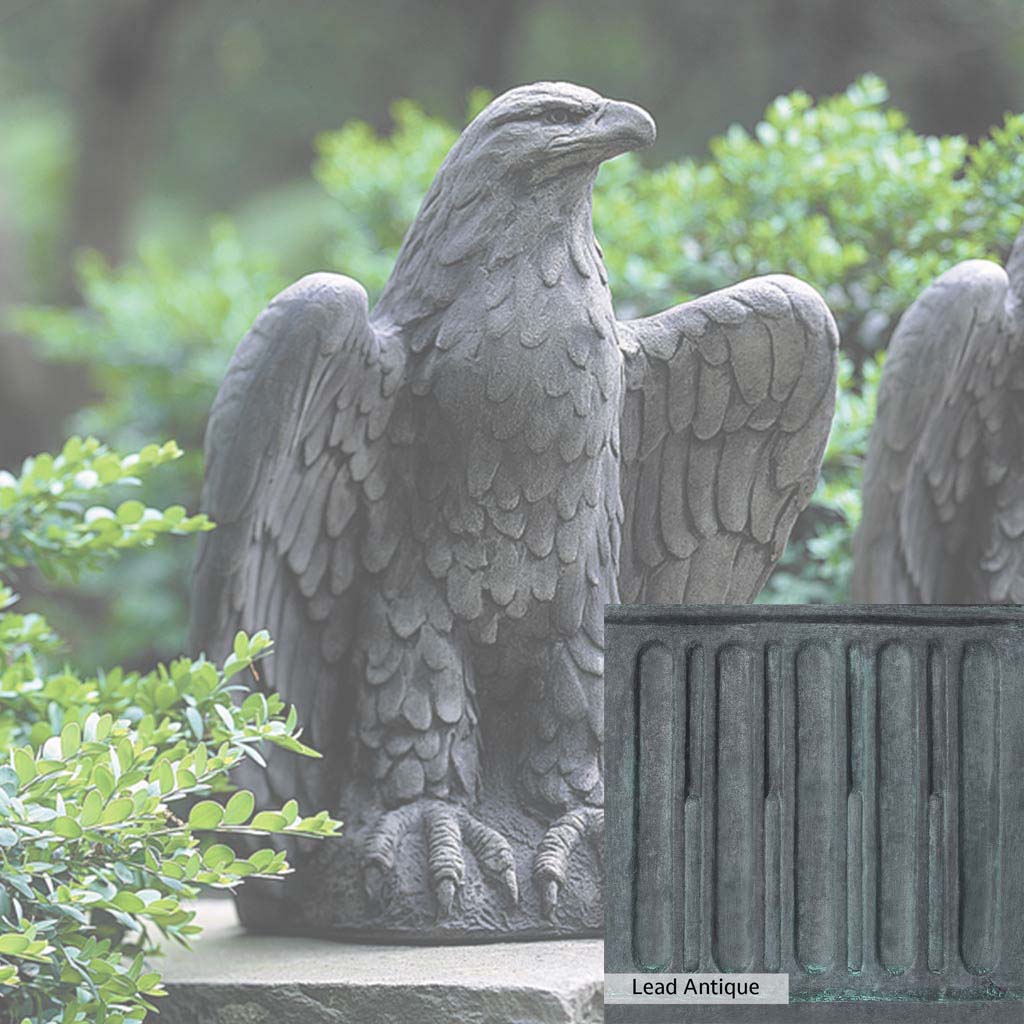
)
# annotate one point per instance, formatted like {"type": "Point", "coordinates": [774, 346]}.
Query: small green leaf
{"type": "Point", "coordinates": [195, 721]}
{"type": "Point", "coordinates": [239, 808]}
{"type": "Point", "coordinates": [24, 765]}
{"type": "Point", "coordinates": [128, 902]}
{"type": "Point", "coordinates": [268, 821]}
{"type": "Point", "coordinates": [150, 983]}
{"type": "Point", "coordinates": [261, 859]}
{"type": "Point", "coordinates": [130, 512]}
{"type": "Point", "coordinates": [89, 731]}
{"type": "Point", "coordinates": [254, 755]}
{"type": "Point", "coordinates": [260, 642]}
{"type": "Point", "coordinates": [165, 777]}
{"type": "Point", "coordinates": [217, 856]}
{"type": "Point", "coordinates": [116, 811]}
{"type": "Point", "coordinates": [207, 814]}
{"type": "Point", "coordinates": [92, 808]}
{"type": "Point", "coordinates": [70, 739]}
{"type": "Point", "coordinates": [67, 827]}
{"type": "Point", "coordinates": [255, 707]}
{"type": "Point", "coordinates": [104, 781]}
{"type": "Point", "coordinates": [232, 666]}
{"type": "Point", "coordinates": [166, 695]}
{"type": "Point", "coordinates": [224, 714]}
{"type": "Point", "coordinates": [13, 943]}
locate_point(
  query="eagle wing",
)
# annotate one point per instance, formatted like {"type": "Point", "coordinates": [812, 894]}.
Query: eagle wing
{"type": "Point", "coordinates": [296, 480]}
{"type": "Point", "coordinates": [729, 400]}
{"type": "Point", "coordinates": [938, 449]}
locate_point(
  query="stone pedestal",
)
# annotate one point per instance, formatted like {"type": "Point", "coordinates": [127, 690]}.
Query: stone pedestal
{"type": "Point", "coordinates": [233, 977]}
{"type": "Point", "coordinates": [833, 793]}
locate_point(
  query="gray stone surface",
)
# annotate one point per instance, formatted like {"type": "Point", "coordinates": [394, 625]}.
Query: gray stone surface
{"type": "Point", "coordinates": [234, 977]}
{"type": "Point", "coordinates": [944, 475]}
{"type": "Point", "coordinates": [830, 792]}
{"type": "Point", "coordinates": [429, 505]}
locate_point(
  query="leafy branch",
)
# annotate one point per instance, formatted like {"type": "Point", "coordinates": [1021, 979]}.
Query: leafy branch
{"type": "Point", "coordinates": [98, 855]}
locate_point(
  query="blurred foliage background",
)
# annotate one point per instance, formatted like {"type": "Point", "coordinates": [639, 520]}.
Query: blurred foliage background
{"type": "Point", "coordinates": [167, 165]}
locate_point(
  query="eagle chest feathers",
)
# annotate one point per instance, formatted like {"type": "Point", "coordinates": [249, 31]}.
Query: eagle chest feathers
{"type": "Point", "coordinates": [525, 375]}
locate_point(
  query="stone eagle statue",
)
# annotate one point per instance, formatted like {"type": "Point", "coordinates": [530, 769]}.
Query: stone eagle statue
{"type": "Point", "coordinates": [430, 504]}
{"type": "Point", "coordinates": [943, 517]}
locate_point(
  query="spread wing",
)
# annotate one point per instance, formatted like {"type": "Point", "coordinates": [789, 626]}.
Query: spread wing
{"type": "Point", "coordinates": [296, 463]}
{"type": "Point", "coordinates": [729, 400]}
{"type": "Point", "coordinates": [937, 499]}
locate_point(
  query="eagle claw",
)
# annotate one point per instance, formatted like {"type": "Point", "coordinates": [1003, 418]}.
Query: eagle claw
{"type": "Point", "coordinates": [448, 831]}
{"type": "Point", "coordinates": [551, 864]}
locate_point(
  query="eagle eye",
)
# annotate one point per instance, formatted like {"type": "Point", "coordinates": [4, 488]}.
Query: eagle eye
{"type": "Point", "coordinates": [560, 115]}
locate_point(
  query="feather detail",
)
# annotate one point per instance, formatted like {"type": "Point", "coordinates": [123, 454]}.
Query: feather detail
{"type": "Point", "coordinates": [718, 453]}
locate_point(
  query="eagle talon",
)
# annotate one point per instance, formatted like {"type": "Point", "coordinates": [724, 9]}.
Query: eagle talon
{"type": "Point", "coordinates": [510, 884]}
{"type": "Point", "coordinates": [373, 882]}
{"type": "Point", "coordinates": [549, 899]}
{"type": "Point", "coordinates": [445, 893]}
{"type": "Point", "coordinates": [448, 831]}
{"type": "Point", "coordinates": [551, 865]}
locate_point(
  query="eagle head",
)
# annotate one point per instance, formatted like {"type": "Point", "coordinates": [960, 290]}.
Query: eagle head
{"type": "Point", "coordinates": [541, 131]}
{"type": "Point", "coordinates": [523, 169]}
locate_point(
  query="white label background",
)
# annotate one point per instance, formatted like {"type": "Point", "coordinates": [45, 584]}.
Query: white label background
{"type": "Point", "coordinates": [772, 988]}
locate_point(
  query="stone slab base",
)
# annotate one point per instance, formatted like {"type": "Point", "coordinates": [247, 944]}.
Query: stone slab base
{"type": "Point", "coordinates": [232, 977]}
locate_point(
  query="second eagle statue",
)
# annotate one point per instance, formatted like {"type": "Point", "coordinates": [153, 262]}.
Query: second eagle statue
{"type": "Point", "coordinates": [429, 505]}
{"type": "Point", "coordinates": [943, 518]}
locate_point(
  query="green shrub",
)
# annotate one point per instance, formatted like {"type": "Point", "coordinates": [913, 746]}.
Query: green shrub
{"type": "Point", "coordinates": [155, 338]}
{"type": "Point", "coordinates": [377, 185]}
{"type": "Point", "coordinates": [94, 863]}
{"type": "Point", "coordinates": [816, 565]}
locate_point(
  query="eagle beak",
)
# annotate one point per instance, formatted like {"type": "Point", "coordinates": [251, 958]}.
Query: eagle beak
{"type": "Point", "coordinates": [620, 127]}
